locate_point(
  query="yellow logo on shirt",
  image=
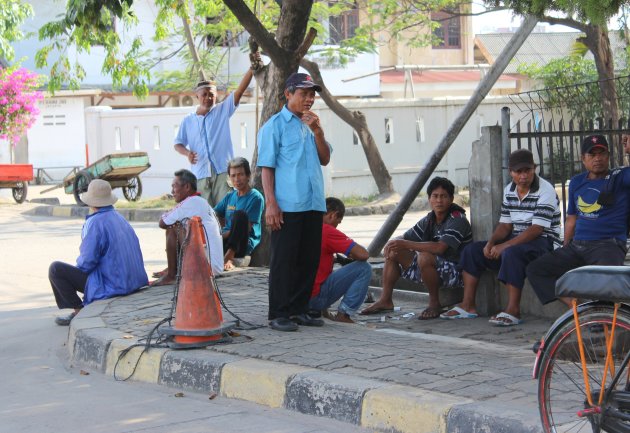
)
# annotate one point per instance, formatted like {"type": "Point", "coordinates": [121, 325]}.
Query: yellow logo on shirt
{"type": "Point", "coordinates": [588, 207]}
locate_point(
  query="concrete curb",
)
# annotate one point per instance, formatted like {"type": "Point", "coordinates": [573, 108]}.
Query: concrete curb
{"type": "Point", "coordinates": [153, 215]}
{"type": "Point", "coordinates": [368, 403]}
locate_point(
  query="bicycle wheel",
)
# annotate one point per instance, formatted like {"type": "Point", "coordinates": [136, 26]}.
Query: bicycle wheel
{"type": "Point", "coordinates": [561, 388]}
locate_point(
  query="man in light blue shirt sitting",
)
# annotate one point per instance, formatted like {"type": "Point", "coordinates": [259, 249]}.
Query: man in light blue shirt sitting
{"type": "Point", "coordinates": [292, 148]}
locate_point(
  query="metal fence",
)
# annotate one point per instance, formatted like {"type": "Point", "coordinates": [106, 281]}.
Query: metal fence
{"type": "Point", "coordinates": [556, 144]}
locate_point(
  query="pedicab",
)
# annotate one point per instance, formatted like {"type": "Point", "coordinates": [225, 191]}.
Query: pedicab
{"type": "Point", "coordinates": [16, 177]}
{"type": "Point", "coordinates": [121, 170]}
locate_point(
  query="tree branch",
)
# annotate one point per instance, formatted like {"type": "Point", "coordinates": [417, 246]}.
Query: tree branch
{"type": "Point", "coordinates": [306, 44]}
{"type": "Point", "coordinates": [329, 99]}
{"type": "Point", "coordinates": [569, 22]}
{"type": "Point", "coordinates": [255, 28]}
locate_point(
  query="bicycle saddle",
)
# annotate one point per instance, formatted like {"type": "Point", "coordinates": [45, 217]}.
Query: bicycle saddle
{"type": "Point", "coordinates": [606, 283]}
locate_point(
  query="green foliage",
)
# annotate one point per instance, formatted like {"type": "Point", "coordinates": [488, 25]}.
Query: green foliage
{"type": "Point", "coordinates": [88, 23]}
{"type": "Point", "coordinates": [564, 81]}
{"type": "Point", "coordinates": [12, 14]}
{"type": "Point", "coordinates": [593, 11]}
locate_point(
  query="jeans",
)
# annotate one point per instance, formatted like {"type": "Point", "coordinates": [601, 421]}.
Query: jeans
{"type": "Point", "coordinates": [351, 282]}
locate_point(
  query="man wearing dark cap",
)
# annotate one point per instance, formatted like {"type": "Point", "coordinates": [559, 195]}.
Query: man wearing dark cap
{"type": "Point", "coordinates": [204, 138]}
{"type": "Point", "coordinates": [595, 229]}
{"type": "Point", "coordinates": [529, 227]}
{"type": "Point", "coordinates": [291, 150]}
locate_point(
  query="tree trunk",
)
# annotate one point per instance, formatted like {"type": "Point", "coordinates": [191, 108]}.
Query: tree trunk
{"type": "Point", "coordinates": [597, 41]}
{"type": "Point", "coordinates": [286, 50]}
{"type": "Point", "coordinates": [356, 120]}
{"type": "Point", "coordinates": [190, 41]}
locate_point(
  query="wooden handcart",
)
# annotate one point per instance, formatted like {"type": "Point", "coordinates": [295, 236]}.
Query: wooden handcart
{"type": "Point", "coordinates": [121, 170]}
{"type": "Point", "coordinates": [16, 177]}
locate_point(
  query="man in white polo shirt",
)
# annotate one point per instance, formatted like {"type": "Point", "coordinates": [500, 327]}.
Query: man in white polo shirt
{"type": "Point", "coordinates": [529, 227]}
{"type": "Point", "coordinates": [189, 204]}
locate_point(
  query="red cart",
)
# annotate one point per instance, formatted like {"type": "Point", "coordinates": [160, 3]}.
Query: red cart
{"type": "Point", "coordinates": [16, 177]}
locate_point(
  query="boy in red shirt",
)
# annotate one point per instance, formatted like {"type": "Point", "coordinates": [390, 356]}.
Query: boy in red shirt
{"type": "Point", "coordinates": [350, 281]}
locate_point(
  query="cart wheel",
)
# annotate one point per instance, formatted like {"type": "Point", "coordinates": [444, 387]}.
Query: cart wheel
{"type": "Point", "coordinates": [133, 190]}
{"type": "Point", "coordinates": [19, 192]}
{"type": "Point", "coordinates": [80, 184]}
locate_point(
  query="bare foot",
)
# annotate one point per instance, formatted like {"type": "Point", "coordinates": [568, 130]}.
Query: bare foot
{"type": "Point", "coordinates": [379, 307]}
{"type": "Point", "coordinates": [342, 317]}
{"type": "Point", "coordinates": [160, 273]}
{"type": "Point", "coordinates": [164, 280]}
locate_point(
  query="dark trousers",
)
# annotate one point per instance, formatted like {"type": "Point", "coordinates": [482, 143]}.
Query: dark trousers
{"type": "Point", "coordinates": [295, 250]}
{"type": "Point", "coordinates": [544, 272]}
{"type": "Point", "coordinates": [512, 263]}
{"type": "Point", "coordinates": [239, 234]}
{"type": "Point", "coordinates": [66, 280]}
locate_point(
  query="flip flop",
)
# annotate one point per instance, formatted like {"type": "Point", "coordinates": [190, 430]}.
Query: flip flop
{"type": "Point", "coordinates": [376, 311]}
{"type": "Point", "coordinates": [430, 313]}
{"type": "Point", "coordinates": [461, 314]}
{"type": "Point", "coordinates": [508, 320]}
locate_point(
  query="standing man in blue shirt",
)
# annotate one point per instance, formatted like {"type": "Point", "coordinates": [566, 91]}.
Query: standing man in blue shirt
{"type": "Point", "coordinates": [204, 138]}
{"type": "Point", "coordinates": [110, 260]}
{"type": "Point", "coordinates": [292, 149]}
{"type": "Point", "coordinates": [596, 225]}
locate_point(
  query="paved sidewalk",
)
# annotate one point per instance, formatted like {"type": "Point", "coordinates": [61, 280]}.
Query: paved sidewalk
{"type": "Point", "coordinates": [389, 373]}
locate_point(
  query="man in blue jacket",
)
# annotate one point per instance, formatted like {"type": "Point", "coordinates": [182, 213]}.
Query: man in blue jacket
{"type": "Point", "coordinates": [110, 261]}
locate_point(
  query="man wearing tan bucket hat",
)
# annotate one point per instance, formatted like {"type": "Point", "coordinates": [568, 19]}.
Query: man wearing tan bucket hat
{"type": "Point", "coordinates": [109, 263]}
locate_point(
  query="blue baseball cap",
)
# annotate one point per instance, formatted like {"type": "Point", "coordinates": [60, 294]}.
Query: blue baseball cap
{"type": "Point", "coordinates": [302, 81]}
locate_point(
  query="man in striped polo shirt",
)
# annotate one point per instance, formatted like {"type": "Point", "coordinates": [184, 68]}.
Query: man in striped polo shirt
{"type": "Point", "coordinates": [529, 227]}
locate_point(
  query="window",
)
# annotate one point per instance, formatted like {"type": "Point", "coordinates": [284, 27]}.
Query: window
{"type": "Point", "coordinates": [117, 138]}
{"type": "Point", "coordinates": [450, 31]}
{"type": "Point", "coordinates": [243, 135]}
{"type": "Point", "coordinates": [389, 130]}
{"type": "Point", "coordinates": [343, 26]}
{"type": "Point", "coordinates": [136, 138]}
{"type": "Point", "coordinates": [156, 137]}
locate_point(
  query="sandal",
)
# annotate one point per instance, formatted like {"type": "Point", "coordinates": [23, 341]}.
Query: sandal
{"type": "Point", "coordinates": [505, 319]}
{"type": "Point", "coordinates": [460, 314]}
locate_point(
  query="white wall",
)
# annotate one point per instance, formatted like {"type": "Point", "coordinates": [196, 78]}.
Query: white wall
{"type": "Point", "coordinates": [57, 138]}
{"type": "Point", "coordinates": [347, 174]}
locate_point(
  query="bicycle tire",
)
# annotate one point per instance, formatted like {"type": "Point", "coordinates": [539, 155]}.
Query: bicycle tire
{"type": "Point", "coordinates": [561, 388]}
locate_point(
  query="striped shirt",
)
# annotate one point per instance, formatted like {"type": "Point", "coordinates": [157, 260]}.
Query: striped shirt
{"type": "Point", "coordinates": [454, 231]}
{"type": "Point", "coordinates": [540, 207]}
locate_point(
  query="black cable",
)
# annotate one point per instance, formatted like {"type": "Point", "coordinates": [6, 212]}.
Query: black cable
{"type": "Point", "coordinates": [252, 326]}
{"type": "Point", "coordinates": [160, 342]}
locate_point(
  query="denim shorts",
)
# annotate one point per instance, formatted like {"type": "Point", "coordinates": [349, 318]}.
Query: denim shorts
{"type": "Point", "coordinates": [448, 271]}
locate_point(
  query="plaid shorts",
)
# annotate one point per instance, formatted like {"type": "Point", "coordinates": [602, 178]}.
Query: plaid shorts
{"type": "Point", "coordinates": [447, 271]}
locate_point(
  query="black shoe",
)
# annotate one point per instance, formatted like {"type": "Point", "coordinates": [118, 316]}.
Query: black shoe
{"type": "Point", "coordinates": [65, 320]}
{"type": "Point", "coordinates": [283, 324]}
{"type": "Point", "coordinates": [315, 314]}
{"type": "Point", "coordinates": [306, 320]}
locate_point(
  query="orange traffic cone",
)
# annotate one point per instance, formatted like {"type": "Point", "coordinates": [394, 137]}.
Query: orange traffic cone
{"type": "Point", "coordinates": [198, 317]}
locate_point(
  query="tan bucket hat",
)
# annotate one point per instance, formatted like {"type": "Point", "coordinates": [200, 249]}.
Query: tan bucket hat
{"type": "Point", "coordinates": [99, 194]}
